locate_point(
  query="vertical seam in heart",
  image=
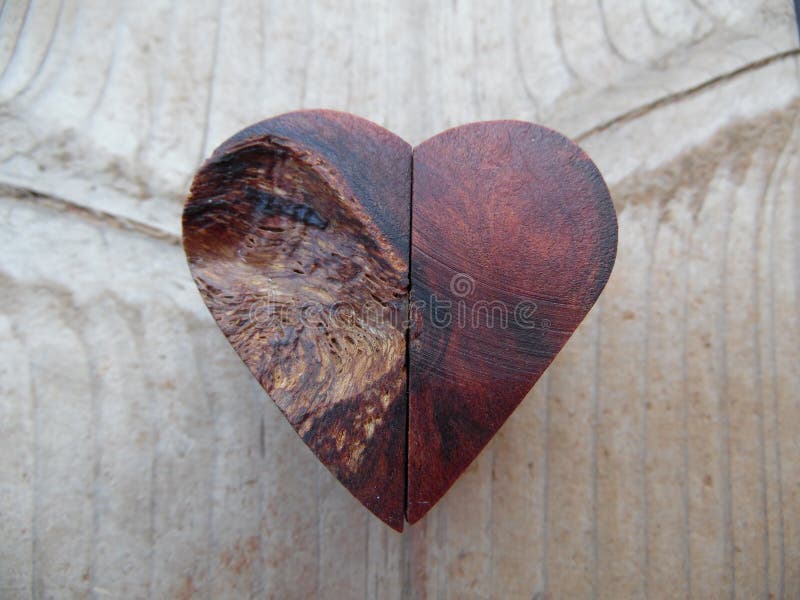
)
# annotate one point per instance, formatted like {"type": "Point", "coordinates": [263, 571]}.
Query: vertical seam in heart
{"type": "Point", "coordinates": [408, 329]}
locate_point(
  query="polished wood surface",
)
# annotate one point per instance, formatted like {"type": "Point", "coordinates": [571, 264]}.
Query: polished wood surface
{"type": "Point", "coordinates": [513, 237]}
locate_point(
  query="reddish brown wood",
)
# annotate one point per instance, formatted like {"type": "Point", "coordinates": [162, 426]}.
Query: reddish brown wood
{"type": "Point", "coordinates": [296, 232]}
{"type": "Point", "coordinates": [508, 218]}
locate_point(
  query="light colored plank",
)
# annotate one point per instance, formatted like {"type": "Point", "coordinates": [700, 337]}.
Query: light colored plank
{"type": "Point", "coordinates": [711, 549]}
{"type": "Point", "coordinates": [183, 455]}
{"type": "Point", "coordinates": [65, 493]}
{"type": "Point", "coordinates": [467, 547]}
{"type": "Point", "coordinates": [290, 527]}
{"type": "Point", "coordinates": [658, 455]}
{"type": "Point", "coordinates": [17, 426]}
{"type": "Point", "coordinates": [743, 383]}
{"type": "Point", "coordinates": [572, 560]}
{"type": "Point", "coordinates": [665, 408]}
{"type": "Point", "coordinates": [622, 519]}
{"type": "Point", "coordinates": [384, 568]}
{"type": "Point", "coordinates": [519, 488]}
{"type": "Point", "coordinates": [235, 558]}
{"type": "Point", "coordinates": [784, 257]}
{"type": "Point", "coordinates": [124, 430]}
{"type": "Point", "coordinates": [342, 532]}
{"type": "Point", "coordinates": [99, 70]}
{"type": "Point", "coordinates": [765, 333]}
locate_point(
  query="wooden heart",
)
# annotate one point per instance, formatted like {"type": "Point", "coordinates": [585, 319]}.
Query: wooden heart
{"type": "Point", "coordinates": [298, 232]}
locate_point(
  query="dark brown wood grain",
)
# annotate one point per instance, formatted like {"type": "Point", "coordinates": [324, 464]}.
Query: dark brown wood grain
{"type": "Point", "coordinates": [513, 238]}
{"type": "Point", "coordinates": [297, 235]}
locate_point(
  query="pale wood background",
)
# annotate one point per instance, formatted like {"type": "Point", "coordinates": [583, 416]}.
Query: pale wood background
{"type": "Point", "coordinates": [659, 457]}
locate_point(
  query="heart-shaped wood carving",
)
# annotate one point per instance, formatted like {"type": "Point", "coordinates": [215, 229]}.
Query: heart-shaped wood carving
{"type": "Point", "coordinates": [299, 232]}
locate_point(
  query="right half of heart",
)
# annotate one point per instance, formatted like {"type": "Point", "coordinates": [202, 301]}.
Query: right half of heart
{"type": "Point", "coordinates": [514, 236]}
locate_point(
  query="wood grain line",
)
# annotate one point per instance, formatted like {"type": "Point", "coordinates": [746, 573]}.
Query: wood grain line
{"type": "Point", "coordinates": [757, 365]}
{"type": "Point", "coordinates": [609, 41]}
{"type": "Point", "coordinates": [546, 485]}
{"type": "Point", "coordinates": [90, 214]}
{"type": "Point", "coordinates": [17, 37]}
{"type": "Point", "coordinates": [111, 64]}
{"type": "Point", "coordinates": [562, 51]}
{"type": "Point", "coordinates": [685, 465]}
{"type": "Point", "coordinates": [724, 413]}
{"type": "Point", "coordinates": [774, 379]}
{"type": "Point", "coordinates": [649, 107]}
{"type": "Point", "coordinates": [36, 480]}
{"type": "Point", "coordinates": [212, 537]}
{"type": "Point", "coordinates": [204, 151]}
{"type": "Point", "coordinates": [596, 446]}
{"type": "Point", "coordinates": [645, 398]}
{"type": "Point", "coordinates": [45, 56]}
{"type": "Point", "coordinates": [518, 65]}
{"type": "Point", "coordinates": [154, 504]}
{"type": "Point", "coordinates": [96, 408]}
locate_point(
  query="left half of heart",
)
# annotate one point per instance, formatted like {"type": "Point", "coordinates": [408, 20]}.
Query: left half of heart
{"type": "Point", "coordinates": [296, 232]}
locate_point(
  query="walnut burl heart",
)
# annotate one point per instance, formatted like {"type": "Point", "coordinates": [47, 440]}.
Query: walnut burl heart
{"type": "Point", "coordinates": [299, 232]}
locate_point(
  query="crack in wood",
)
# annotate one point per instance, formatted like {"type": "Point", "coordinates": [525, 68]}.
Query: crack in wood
{"type": "Point", "coordinates": [91, 215]}
{"type": "Point", "coordinates": [683, 94]}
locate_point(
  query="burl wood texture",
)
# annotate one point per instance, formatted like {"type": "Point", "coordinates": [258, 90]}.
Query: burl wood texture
{"type": "Point", "coordinates": [658, 456]}
{"type": "Point", "coordinates": [513, 238]}
{"type": "Point", "coordinates": [296, 233]}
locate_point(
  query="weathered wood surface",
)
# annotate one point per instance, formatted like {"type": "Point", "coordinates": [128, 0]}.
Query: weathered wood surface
{"type": "Point", "coordinates": [659, 455]}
